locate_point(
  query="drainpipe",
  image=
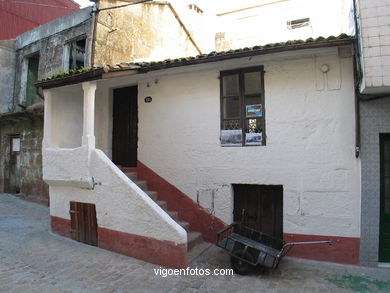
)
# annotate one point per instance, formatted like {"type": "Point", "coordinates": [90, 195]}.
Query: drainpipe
{"type": "Point", "coordinates": [94, 15]}
{"type": "Point", "coordinates": [357, 79]}
{"type": "Point", "coordinates": [357, 103]}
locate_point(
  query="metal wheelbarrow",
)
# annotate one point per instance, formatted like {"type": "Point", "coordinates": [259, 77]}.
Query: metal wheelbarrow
{"type": "Point", "coordinates": [250, 248]}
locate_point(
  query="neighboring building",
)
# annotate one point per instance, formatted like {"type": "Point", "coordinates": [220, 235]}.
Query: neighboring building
{"type": "Point", "coordinates": [373, 19]}
{"type": "Point", "coordinates": [258, 22]}
{"type": "Point", "coordinates": [17, 17]}
{"type": "Point", "coordinates": [82, 39]}
{"type": "Point", "coordinates": [267, 130]}
{"type": "Point", "coordinates": [36, 54]}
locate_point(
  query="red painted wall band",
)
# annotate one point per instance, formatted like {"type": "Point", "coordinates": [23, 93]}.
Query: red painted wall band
{"type": "Point", "coordinates": [344, 250]}
{"type": "Point", "coordinates": [161, 252]}
{"type": "Point", "coordinates": [188, 210]}
{"type": "Point", "coordinates": [60, 226]}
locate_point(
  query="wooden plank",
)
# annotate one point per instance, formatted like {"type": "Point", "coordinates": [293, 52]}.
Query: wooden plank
{"type": "Point", "coordinates": [125, 127]}
{"type": "Point", "coordinates": [263, 205]}
{"type": "Point", "coordinates": [83, 222]}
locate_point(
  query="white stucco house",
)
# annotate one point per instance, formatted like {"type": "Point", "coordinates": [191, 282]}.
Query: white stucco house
{"type": "Point", "coordinates": [145, 159]}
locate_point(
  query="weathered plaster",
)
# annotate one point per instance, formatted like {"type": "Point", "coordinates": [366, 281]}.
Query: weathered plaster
{"type": "Point", "coordinates": [31, 185]}
{"type": "Point", "coordinates": [143, 31]}
{"type": "Point", "coordinates": [86, 174]}
{"type": "Point", "coordinates": [310, 138]}
{"type": "Point", "coordinates": [120, 204]}
{"type": "Point", "coordinates": [7, 74]}
{"type": "Point", "coordinates": [51, 50]}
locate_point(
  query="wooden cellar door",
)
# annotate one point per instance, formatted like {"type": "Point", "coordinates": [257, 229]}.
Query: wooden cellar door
{"type": "Point", "coordinates": [262, 206]}
{"type": "Point", "coordinates": [83, 222]}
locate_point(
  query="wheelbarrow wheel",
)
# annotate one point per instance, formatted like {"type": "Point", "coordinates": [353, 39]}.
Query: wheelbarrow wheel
{"type": "Point", "coordinates": [239, 266]}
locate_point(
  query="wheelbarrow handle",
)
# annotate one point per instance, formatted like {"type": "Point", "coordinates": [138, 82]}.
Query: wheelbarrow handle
{"type": "Point", "coordinates": [287, 246]}
{"type": "Point", "coordinates": [310, 242]}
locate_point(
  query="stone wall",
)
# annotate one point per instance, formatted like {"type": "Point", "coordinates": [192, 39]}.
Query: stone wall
{"type": "Point", "coordinates": [30, 128]}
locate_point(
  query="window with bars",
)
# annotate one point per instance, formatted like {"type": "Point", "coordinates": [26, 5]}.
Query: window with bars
{"type": "Point", "coordinates": [242, 107]}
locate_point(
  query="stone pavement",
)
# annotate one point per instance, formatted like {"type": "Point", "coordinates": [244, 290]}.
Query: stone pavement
{"type": "Point", "coordinates": [34, 260]}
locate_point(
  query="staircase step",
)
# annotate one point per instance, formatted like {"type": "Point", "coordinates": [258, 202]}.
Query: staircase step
{"type": "Point", "coordinates": [132, 175]}
{"type": "Point", "coordinates": [173, 215]}
{"type": "Point", "coordinates": [193, 238]}
{"type": "Point", "coordinates": [185, 225]}
{"type": "Point", "coordinates": [162, 204]}
{"type": "Point", "coordinates": [142, 184]}
{"type": "Point", "coordinates": [152, 194]}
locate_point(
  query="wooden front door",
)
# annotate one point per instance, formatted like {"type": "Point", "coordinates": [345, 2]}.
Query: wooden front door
{"type": "Point", "coordinates": [260, 207]}
{"type": "Point", "coordinates": [125, 127]}
{"type": "Point", "coordinates": [384, 235]}
{"type": "Point", "coordinates": [83, 222]}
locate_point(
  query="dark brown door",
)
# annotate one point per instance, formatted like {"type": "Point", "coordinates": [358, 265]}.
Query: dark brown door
{"type": "Point", "coordinates": [125, 127]}
{"type": "Point", "coordinates": [260, 207]}
{"type": "Point", "coordinates": [83, 222]}
{"type": "Point", "coordinates": [384, 236]}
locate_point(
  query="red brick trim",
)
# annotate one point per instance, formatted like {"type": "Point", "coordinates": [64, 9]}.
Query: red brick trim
{"type": "Point", "coordinates": [189, 210]}
{"type": "Point", "coordinates": [343, 249]}
{"type": "Point", "coordinates": [161, 252]}
{"type": "Point", "coordinates": [60, 226]}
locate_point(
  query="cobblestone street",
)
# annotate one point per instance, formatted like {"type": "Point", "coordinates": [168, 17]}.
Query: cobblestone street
{"type": "Point", "coordinates": [34, 260]}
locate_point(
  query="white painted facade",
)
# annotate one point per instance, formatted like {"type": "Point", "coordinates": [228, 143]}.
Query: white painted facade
{"type": "Point", "coordinates": [310, 127]}
{"type": "Point", "coordinates": [374, 38]}
{"type": "Point", "coordinates": [249, 23]}
{"type": "Point", "coordinates": [310, 140]}
{"type": "Point", "coordinates": [76, 171]}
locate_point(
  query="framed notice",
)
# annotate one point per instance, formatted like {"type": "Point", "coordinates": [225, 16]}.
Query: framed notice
{"type": "Point", "coordinates": [254, 110]}
{"type": "Point", "coordinates": [231, 137]}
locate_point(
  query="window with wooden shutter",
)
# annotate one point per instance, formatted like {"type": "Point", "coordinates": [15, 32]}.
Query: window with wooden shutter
{"type": "Point", "coordinates": [242, 107]}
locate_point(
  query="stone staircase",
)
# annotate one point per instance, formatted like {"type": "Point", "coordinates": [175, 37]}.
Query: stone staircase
{"type": "Point", "coordinates": [195, 243]}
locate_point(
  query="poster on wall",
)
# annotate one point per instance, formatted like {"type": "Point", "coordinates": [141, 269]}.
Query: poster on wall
{"type": "Point", "coordinates": [253, 138]}
{"type": "Point", "coordinates": [254, 110]}
{"type": "Point", "coordinates": [231, 137]}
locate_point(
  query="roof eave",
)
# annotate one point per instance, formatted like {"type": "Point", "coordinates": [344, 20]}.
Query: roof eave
{"type": "Point", "coordinates": [99, 73]}
{"type": "Point", "coordinates": [249, 53]}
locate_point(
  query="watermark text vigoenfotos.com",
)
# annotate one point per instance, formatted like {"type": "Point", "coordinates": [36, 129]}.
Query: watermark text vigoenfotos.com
{"type": "Point", "coordinates": [164, 272]}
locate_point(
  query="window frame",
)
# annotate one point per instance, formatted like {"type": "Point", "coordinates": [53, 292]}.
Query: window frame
{"type": "Point", "coordinates": [68, 51]}
{"type": "Point", "coordinates": [241, 95]}
{"type": "Point", "coordinates": [29, 83]}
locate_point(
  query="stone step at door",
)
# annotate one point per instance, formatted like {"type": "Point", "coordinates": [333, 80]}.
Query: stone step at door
{"type": "Point", "coordinates": [194, 239]}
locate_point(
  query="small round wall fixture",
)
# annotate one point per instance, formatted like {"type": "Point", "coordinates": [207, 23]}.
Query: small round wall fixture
{"type": "Point", "coordinates": [148, 99]}
{"type": "Point", "coordinates": [324, 68]}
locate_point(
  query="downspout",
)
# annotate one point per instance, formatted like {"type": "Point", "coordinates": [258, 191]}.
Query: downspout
{"type": "Point", "coordinates": [356, 77]}
{"type": "Point", "coordinates": [357, 103]}
{"type": "Point", "coordinates": [94, 15]}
